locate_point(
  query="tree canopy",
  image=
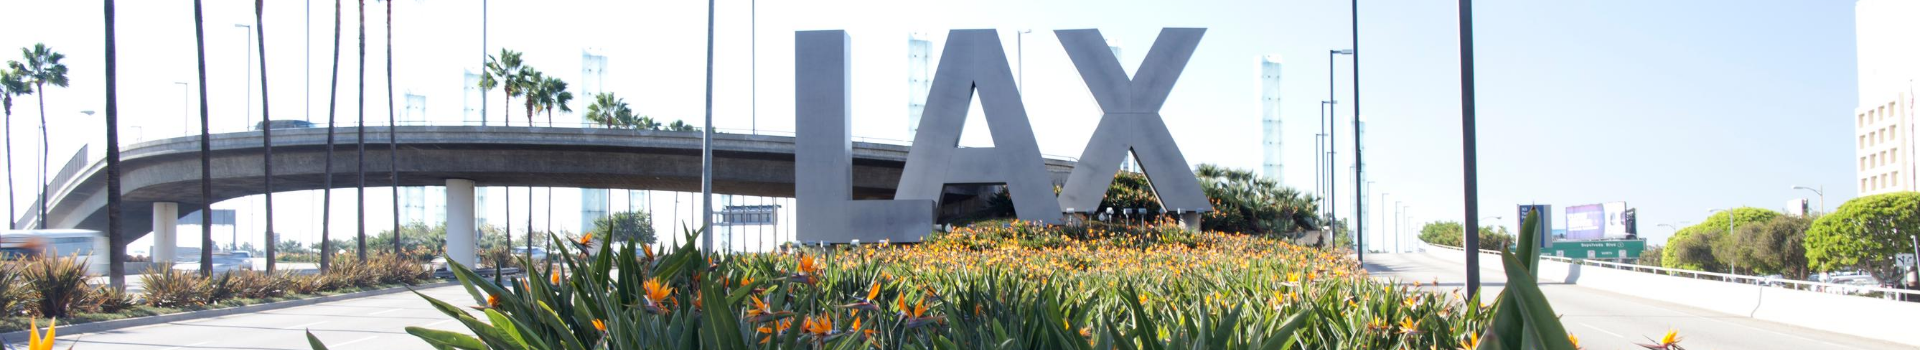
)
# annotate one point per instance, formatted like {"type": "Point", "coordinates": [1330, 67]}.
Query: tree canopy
{"type": "Point", "coordinates": [1244, 202]}
{"type": "Point", "coordinates": [632, 226]}
{"type": "Point", "coordinates": [1865, 233]}
{"type": "Point", "coordinates": [1684, 252]}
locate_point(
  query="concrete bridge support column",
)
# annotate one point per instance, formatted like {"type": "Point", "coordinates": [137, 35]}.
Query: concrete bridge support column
{"type": "Point", "coordinates": [166, 223]}
{"type": "Point", "coordinates": [461, 237]}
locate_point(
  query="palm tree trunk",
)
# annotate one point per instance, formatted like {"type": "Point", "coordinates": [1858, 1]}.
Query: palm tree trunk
{"type": "Point", "coordinates": [116, 243]}
{"type": "Point", "coordinates": [41, 88]}
{"type": "Point", "coordinates": [361, 167]}
{"type": "Point", "coordinates": [266, 132]}
{"type": "Point", "coordinates": [326, 201]}
{"type": "Point", "coordinates": [206, 148]}
{"type": "Point", "coordinates": [393, 145]}
{"type": "Point", "coordinates": [11, 225]}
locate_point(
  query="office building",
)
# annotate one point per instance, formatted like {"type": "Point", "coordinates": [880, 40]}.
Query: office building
{"type": "Point", "coordinates": [1889, 61]}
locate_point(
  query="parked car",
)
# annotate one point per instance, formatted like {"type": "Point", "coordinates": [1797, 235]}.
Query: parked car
{"type": "Point", "coordinates": [539, 254]}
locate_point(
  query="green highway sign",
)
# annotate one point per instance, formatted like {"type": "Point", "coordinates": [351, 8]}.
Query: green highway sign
{"type": "Point", "coordinates": [1629, 249]}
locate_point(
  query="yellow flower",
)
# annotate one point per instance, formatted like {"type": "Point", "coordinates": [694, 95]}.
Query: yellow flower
{"type": "Point", "coordinates": [597, 324]}
{"type": "Point", "coordinates": [586, 239]}
{"type": "Point", "coordinates": [820, 327]}
{"type": "Point", "coordinates": [1472, 341]}
{"type": "Point", "coordinates": [1672, 337]}
{"type": "Point", "coordinates": [656, 294]}
{"type": "Point", "coordinates": [1574, 339]}
{"type": "Point", "coordinates": [1408, 325]}
{"type": "Point", "coordinates": [873, 292]}
{"type": "Point", "coordinates": [555, 278]}
{"type": "Point", "coordinates": [37, 342]}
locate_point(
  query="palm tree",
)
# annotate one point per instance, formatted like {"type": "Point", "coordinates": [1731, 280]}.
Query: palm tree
{"type": "Point", "coordinates": [553, 95]}
{"type": "Point", "coordinates": [530, 85]}
{"type": "Point", "coordinates": [11, 85]}
{"type": "Point", "coordinates": [206, 150]}
{"type": "Point", "coordinates": [42, 67]}
{"type": "Point", "coordinates": [326, 201]}
{"type": "Point", "coordinates": [504, 71]}
{"type": "Point", "coordinates": [266, 130]}
{"type": "Point", "coordinates": [393, 145]}
{"type": "Point", "coordinates": [361, 168]}
{"type": "Point", "coordinates": [608, 110]}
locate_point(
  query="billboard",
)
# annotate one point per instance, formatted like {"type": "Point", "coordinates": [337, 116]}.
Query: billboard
{"type": "Point", "coordinates": [1546, 221]}
{"type": "Point", "coordinates": [1616, 226]}
{"type": "Point", "coordinates": [1586, 222]}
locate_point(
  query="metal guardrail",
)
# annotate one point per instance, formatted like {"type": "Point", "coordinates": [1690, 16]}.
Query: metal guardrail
{"type": "Point", "coordinates": [1819, 287]}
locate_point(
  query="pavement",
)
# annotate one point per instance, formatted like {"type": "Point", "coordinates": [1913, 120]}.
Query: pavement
{"type": "Point", "coordinates": [376, 322]}
{"type": "Point", "coordinates": [1608, 321]}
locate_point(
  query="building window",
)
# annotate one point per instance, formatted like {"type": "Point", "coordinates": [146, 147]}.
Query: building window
{"type": "Point", "coordinates": [1863, 142]}
{"type": "Point", "coordinates": [1895, 178]}
{"type": "Point", "coordinates": [1863, 185]}
{"type": "Point", "coordinates": [1859, 120]}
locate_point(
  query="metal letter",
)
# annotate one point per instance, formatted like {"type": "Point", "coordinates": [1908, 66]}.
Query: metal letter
{"type": "Point", "coordinates": [1132, 120]}
{"type": "Point", "coordinates": [823, 154]}
{"type": "Point", "coordinates": [973, 60]}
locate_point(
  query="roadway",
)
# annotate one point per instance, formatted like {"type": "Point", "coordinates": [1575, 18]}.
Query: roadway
{"type": "Point", "coordinates": [1608, 321]}
{"type": "Point", "coordinates": [376, 322]}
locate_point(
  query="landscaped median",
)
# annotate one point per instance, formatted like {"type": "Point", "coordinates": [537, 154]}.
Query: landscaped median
{"type": "Point", "coordinates": [999, 285]}
{"type": "Point", "coordinates": [39, 289]}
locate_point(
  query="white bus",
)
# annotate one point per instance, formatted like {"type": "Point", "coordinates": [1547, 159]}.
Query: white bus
{"type": "Point", "coordinates": [87, 245]}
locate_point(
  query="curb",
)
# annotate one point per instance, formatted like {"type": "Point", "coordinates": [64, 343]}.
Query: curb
{"type": "Point", "coordinates": [101, 326]}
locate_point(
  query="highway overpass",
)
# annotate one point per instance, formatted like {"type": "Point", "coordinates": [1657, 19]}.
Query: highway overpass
{"type": "Point", "coordinates": [168, 170]}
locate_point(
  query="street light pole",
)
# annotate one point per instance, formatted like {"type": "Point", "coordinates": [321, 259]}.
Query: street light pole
{"type": "Point", "coordinates": [248, 66]}
{"type": "Point", "coordinates": [1817, 191]}
{"type": "Point", "coordinates": [1467, 148]}
{"type": "Point", "coordinates": [1359, 167]}
{"type": "Point", "coordinates": [1333, 214]}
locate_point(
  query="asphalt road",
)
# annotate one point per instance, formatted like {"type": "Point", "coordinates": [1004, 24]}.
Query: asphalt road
{"type": "Point", "coordinates": [376, 322]}
{"type": "Point", "coordinates": [1608, 321]}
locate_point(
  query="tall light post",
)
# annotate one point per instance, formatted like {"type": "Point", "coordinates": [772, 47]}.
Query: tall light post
{"type": "Point", "coordinates": [1384, 231]}
{"type": "Point", "coordinates": [1359, 167]}
{"type": "Point", "coordinates": [1817, 191]}
{"type": "Point", "coordinates": [1329, 125]}
{"type": "Point", "coordinates": [248, 66]}
{"type": "Point", "coordinates": [1470, 164]}
{"type": "Point", "coordinates": [706, 147]}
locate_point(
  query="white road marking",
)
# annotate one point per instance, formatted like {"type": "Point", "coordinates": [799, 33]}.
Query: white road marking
{"type": "Point", "coordinates": [188, 345]}
{"type": "Point", "coordinates": [351, 342]}
{"type": "Point", "coordinates": [302, 326]}
{"type": "Point", "coordinates": [383, 312]}
{"type": "Point", "coordinates": [1617, 335]}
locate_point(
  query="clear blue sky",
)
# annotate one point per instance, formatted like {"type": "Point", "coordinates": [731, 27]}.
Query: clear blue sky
{"type": "Point", "coordinates": [1675, 107]}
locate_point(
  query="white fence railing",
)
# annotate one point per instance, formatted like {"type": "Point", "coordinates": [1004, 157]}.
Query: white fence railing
{"type": "Point", "coordinates": [1823, 287]}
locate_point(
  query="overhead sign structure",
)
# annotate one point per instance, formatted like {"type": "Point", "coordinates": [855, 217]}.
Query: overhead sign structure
{"type": "Point", "coordinates": [1543, 233]}
{"type": "Point", "coordinates": [1619, 249]}
{"type": "Point", "coordinates": [974, 61]}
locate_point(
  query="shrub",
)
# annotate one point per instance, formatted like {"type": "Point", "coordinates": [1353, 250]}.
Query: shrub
{"type": "Point", "coordinates": [57, 284]}
{"type": "Point", "coordinates": [173, 288]}
{"type": "Point", "coordinates": [251, 284]}
{"type": "Point", "coordinates": [106, 299]}
{"type": "Point", "coordinates": [13, 295]}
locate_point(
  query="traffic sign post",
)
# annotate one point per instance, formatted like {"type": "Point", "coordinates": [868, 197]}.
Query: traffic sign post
{"type": "Point", "coordinates": [1903, 260]}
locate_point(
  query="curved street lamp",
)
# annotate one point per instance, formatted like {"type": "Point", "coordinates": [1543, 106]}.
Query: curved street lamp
{"type": "Point", "coordinates": [1817, 191]}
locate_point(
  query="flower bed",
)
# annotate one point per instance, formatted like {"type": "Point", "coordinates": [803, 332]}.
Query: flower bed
{"type": "Point", "coordinates": [1010, 285]}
